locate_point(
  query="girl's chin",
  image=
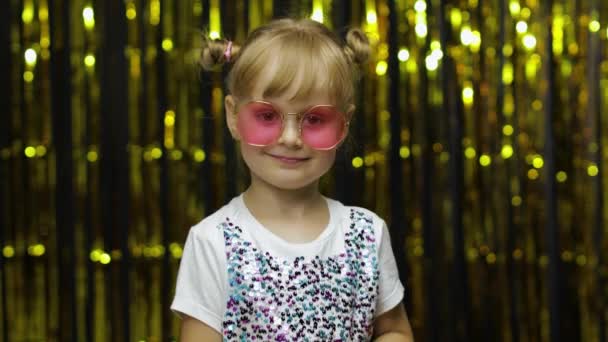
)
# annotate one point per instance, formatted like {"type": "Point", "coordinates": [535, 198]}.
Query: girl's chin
{"type": "Point", "coordinates": [286, 183]}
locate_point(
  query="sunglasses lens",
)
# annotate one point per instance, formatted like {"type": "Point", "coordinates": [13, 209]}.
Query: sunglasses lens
{"type": "Point", "coordinates": [323, 127]}
{"type": "Point", "coordinates": [259, 123]}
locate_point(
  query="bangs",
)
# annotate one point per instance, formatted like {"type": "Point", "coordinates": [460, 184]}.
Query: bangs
{"type": "Point", "coordinates": [297, 64]}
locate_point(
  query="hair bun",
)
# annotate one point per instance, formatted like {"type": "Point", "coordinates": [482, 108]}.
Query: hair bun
{"type": "Point", "coordinates": [213, 53]}
{"type": "Point", "coordinates": [357, 46]}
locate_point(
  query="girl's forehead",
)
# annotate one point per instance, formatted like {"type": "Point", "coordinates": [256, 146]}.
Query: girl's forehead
{"type": "Point", "coordinates": [301, 88]}
{"type": "Point", "coordinates": [311, 71]}
{"type": "Point", "coordinates": [294, 97]}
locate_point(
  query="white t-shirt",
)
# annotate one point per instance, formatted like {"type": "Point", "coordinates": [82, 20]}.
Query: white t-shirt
{"type": "Point", "coordinates": [209, 283]}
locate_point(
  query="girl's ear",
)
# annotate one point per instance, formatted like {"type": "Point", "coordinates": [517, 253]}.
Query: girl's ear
{"type": "Point", "coordinates": [349, 112]}
{"type": "Point", "coordinates": [230, 108]}
{"type": "Point", "coordinates": [349, 115]}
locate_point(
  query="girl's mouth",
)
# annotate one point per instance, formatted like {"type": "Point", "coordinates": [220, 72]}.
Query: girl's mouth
{"type": "Point", "coordinates": [289, 160]}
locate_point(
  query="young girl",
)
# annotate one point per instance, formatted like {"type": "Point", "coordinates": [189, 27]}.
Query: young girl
{"type": "Point", "coordinates": [281, 262]}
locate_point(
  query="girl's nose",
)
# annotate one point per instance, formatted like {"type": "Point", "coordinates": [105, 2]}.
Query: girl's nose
{"type": "Point", "coordinates": [291, 132]}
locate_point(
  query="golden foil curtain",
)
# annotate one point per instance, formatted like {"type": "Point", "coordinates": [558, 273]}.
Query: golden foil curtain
{"type": "Point", "coordinates": [480, 136]}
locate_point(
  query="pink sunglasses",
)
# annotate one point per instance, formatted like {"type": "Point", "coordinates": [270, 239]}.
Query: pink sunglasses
{"type": "Point", "coordinates": [321, 127]}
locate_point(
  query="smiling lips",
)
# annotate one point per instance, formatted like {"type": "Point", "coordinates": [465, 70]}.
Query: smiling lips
{"type": "Point", "coordinates": [289, 160]}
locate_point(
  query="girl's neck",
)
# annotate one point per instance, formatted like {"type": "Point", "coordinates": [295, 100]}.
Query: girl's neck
{"type": "Point", "coordinates": [266, 201]}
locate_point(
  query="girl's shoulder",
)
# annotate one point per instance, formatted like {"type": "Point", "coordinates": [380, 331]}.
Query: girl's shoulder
{"type": "Point", "coordinates": [208, 230]}
{"type": "Point", "coordinates": [347, 210]}
{"type": "Point", "coordinates": [349, 213]}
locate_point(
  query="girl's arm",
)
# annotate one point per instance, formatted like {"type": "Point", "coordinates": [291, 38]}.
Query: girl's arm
{"type": "Point", "coordinates": [194, 330]}
{"type": "Point", "coordinates": [394, 326]}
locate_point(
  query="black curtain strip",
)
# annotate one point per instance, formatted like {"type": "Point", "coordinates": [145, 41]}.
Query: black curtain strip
{"type": "Point", "coordinates": [163, 107]}
{"type": "Point", "coordinates": [23, 216]}
{"type": "Point", "coordinates": [453, 109]}
{"type": "Point", "coordinates": [145, 111]}
{"type": "Point", "coordinates": [114, 159]}
{"type": "Point", "coordinates": [245, 18]}
{"type": "Point", "coordinates": [61, 91]}
{"type": "Point", "coordinates": [142, 101]}
{"type": "Point", "coordinates": [510, 238]}
{"type": "Point", "coordinates": [106, 158]}
{"type": "Point", "coordinates": [454, 179]}
{"type": "Point", "coordinates": [231, 166]}
{"type": "Point", "coordinates": [208, 194]}
{"type": "Point", "coordinates": [89, 207]}
{"type": "Point", "coordinates": [229, 146]}
{"type": "Point", "coordinates": [480, 108]}
{"type": "Point", "coordinates": [354, 146]}
{"type": "Point", "coordinates": [594, 60]}
{"type": "Point", "coordinates": [519, 173]}
{"type": "Point", "coordinates": [5, 78]}
{"type": "Point", "coordinates": [354, 195]}
{"type": "Point", "coordinates": [551, 228]}
{"type": "Point", "coordinates": [5, 139]}
{"type": "Point", "coordinates": [488, 325]}
{"type": "Point", "coordinates": [89, 237]}
{"type": "Point", "coordinates": [411, 187]}
{"type": "Point", "coordinates": [340, 13]}
{"type": "Point", "coordinates": [428, 226]}
{"type": "Point", "coordinates": [398, 218]}
{"type": "Point", "coordinates": [281, 8]}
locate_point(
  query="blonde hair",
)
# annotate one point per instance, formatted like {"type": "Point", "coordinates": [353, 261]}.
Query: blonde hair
{"type": "Point", "coordinates": [302, 51]}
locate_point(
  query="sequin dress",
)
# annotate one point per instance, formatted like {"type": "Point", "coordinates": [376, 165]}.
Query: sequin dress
{"type": "Point", "coordinates": [248, 284]}
{"type": "Point", "coordinates": [323, 299]}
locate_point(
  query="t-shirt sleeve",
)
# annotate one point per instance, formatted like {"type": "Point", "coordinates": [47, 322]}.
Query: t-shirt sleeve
{"type": "Point", "coordinates": [201, 279]}
{"type": "Point", "coordinates": [390, 287]}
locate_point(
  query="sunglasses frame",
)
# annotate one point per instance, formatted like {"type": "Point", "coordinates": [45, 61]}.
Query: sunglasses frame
{"type": "Point", "coordinates": [300, 116]}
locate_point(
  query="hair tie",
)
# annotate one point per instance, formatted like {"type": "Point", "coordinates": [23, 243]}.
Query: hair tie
{"type": "Point", "coordinates": [228, 51]}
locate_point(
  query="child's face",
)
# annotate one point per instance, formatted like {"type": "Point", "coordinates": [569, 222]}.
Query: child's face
{"type": "Point", "coordinates": [288, 162]}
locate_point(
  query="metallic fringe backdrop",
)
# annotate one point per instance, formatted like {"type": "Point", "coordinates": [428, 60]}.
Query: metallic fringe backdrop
{"type": "Point", "coordinates": [481, 136]}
